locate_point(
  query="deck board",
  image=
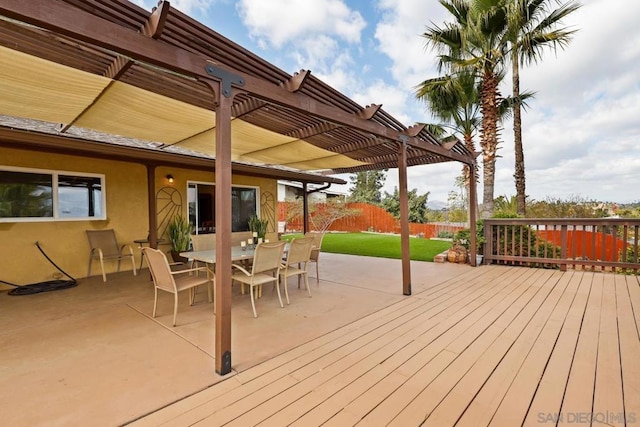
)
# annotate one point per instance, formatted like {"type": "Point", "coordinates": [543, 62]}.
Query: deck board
{"type": "Point", "coordinates": [500, 400]}
{"type": "Point", "coordinates": [578, 397]}
{"type": "Point", "coordinates": [608, 397]}
{"type": "Point", "coordinates": [547, 401]}
{"type": "Point", "coordinates": [517, 397]}
{"type": "Point", "coordinates": [629, 347]}
{"type": "Point", "coordinates": [476, 362]}
{"type": "Point", "coordinates": [494, 346]}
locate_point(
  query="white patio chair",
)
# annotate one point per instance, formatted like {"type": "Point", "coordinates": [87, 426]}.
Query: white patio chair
{"type": "Point", "coordinates": [267, 261]}
{"type": "Point", "coordinates": [315, 251]}
{"type": "Point", "coordinates": [104, 247]}
{"type": "Point", "coordinates": [174, 281]}
{"type": "Point", "coordinates": [297, 263]}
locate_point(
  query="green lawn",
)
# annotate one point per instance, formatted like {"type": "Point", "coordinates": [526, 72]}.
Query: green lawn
{"type": "Point", "coordinates": [379, 245]}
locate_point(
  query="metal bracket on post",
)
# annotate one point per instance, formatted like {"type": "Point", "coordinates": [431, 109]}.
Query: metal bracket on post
{"type": "Point", "coordinates": [226, 79]}
{"type": "Point", "coordinates": [226, 363]}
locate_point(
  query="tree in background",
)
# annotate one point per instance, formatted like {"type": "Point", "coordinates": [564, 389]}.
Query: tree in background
{"type": "Point", "coordinates": [475, 41]}
{"type": "Point", "coordinates": [457, 202]}
{"type": "Point", "coordinates": [366, 186]}
{"type": "Point", "coordinates": [531, 28]}
{"type": "Point", "coordinates": [417, 205]}
{"type": "Point", "coordinates": [322, 215]}
{"type": "Point", "coordinates": [572, 207]}
{"type": "Point", "coordinates": [454, 100]}
{"type": "Point", "coordinates": [506, 207]}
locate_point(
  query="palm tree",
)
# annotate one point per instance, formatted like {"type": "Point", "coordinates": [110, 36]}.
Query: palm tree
{"type": "Point", "coordinates": [531, 28]}
{"type": "Point", "coordinates": [476, 41]}
{"type": "Point", "coordinates": [454, 101]}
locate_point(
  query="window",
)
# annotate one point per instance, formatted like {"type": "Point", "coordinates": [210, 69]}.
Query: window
{"type": "Point", "coordinates": [40, 195]}
{"type": "Point", "coordinates": [201, 200]}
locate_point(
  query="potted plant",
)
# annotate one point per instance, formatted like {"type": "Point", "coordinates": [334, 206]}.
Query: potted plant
{"type": "Point", "coordinates": [179, 231]}
{"type": "Point", "coordinates": [463, 238]}
{"type": "Point", "coordinates": [258, 226]}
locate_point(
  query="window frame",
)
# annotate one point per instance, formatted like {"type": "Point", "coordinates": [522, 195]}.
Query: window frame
{"type": "Point", "coordinates": [55, 173]}
{"type": "Point", "coordinates": [251, 187]}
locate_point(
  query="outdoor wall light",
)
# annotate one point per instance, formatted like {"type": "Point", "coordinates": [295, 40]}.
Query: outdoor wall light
{"type": "Point", "coordinates": [170, 178]}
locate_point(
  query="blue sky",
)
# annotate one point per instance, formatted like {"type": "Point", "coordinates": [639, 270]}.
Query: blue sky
{"type": "Point", "coordinates": [581, 132]}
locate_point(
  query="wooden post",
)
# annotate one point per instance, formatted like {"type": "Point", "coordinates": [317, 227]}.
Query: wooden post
{"type": "Point", "coordinates": [472, 214]}
{"type": "Point", "coordinates": [222, 285]}
{"type": "Point", "coordinates": [563, 246]}
{"type": "Point", "coordinates": [404, 218]}
{"type": "Point", "coordinates": [151, 201]}
{"type": "Point", "coordinates": [305, 208]}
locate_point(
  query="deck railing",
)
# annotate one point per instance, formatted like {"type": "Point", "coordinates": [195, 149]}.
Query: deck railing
{"type": "Point", "coordinates": [594, 244]}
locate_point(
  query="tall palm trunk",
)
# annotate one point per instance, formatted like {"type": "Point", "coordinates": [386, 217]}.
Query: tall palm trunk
{"type": "Point", "coordinates": [519, 174]}
{"type": "Point", "coordinates": [468, 174]}
{"type": "Point", "coordinates": [489, 138]}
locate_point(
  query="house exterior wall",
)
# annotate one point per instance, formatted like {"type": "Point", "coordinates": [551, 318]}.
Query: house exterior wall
{"type": "Point", "coordinates": [65, 242]}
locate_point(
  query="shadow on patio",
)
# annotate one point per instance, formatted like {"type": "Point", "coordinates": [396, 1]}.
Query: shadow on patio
{"type": "Point", "coordinates": [94, 354]}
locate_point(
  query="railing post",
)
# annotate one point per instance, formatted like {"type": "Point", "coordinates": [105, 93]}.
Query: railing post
{"type": "Point", "coordinates": [563, 246]}
{"type": "Point", "coordinates": [488, 241]}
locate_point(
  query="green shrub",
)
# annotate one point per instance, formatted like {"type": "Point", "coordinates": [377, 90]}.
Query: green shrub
{"type": "Point", "coordinates": [463, 237]}
{"type": "Point", "coordinates": [630, 257]}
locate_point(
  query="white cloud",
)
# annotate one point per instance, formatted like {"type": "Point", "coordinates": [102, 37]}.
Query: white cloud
{"type": "Point", "coordinates": [281, 21]}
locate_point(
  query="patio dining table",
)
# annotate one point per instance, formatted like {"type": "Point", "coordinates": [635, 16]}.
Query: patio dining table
{"type": "Point", "coordinates": [209, 256]}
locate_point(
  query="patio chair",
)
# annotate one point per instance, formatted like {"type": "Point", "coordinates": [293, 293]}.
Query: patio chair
{"type": "Point", "coordinates": [297, 263]}
{"type": "Point", "coordinates": [174, 282]}
{"type": "Point", "coordinates": [315, 251]}
{"type": "Point", "coordinates": [104, 247]}
{"type": "Point", "coordinates": [267, 261]}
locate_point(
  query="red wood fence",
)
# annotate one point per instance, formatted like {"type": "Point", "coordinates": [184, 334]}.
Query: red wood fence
{"type": "Point", "coordinates": [371, 218]}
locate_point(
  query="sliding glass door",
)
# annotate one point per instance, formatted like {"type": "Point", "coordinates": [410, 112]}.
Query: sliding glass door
{"type": "Point", "coordinates": [201, 199]}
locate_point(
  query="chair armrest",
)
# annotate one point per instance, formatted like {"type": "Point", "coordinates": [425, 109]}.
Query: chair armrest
{"type": "Point", "coordinates": [126, 246]}
{"type": "Point", "coordinates": [98, 250]}
{"type": "Point", "coordinates": [191, 270]}
{"type": "Point", "coordinates": [241, 269]}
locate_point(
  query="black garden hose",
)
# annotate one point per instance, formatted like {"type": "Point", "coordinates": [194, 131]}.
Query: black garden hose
{"type": "Point", "coordinates": [49, 285]}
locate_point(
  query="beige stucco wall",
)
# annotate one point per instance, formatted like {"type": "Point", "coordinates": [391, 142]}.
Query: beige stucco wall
{"type": "Point", "coordinates": [65, 242]}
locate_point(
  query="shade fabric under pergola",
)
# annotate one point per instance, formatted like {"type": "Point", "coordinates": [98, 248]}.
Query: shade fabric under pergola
{"type": "Point", "coordinates": [71, 96]}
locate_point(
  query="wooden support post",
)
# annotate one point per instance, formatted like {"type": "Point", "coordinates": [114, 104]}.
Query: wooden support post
{"type": "Point", "coordinates": [404, 218]}
{"type": "Point", "coordinates": [151, 202]}
{"type": "Point", "coordinates": [563, 246]}
{"type": "Point", "coordinates": [222, 285]}
{"type": "Point", "coordinates": [305, 208]}
{"type": "Point", "coordinates": [472, 214]}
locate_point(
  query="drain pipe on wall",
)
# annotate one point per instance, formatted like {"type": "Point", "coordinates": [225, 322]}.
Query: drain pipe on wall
{"type": "Point", "coordinates": [305, 203]}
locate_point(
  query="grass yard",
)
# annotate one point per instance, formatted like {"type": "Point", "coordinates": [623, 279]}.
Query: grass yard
{"type": "Point", "coordinates": [379, 245]}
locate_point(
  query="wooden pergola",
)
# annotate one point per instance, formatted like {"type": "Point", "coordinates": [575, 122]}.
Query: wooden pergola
{"type": "Point", "coordinates": [283, 125]}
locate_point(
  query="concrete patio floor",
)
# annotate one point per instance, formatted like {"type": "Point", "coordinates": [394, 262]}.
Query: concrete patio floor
{"type": "Point", "coordinates": [94, 355]}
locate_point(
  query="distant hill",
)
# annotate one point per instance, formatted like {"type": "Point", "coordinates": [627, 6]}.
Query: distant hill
{"type": "Point", "coordinates": [436, 205]}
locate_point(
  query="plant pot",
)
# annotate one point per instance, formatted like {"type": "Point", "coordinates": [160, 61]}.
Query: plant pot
{"type": "Point", "coordinates": [457, 254]}
{"type": "Point", "coordinates": [479, 259]}
{"type": "Point", "coordinates": [175, 255]}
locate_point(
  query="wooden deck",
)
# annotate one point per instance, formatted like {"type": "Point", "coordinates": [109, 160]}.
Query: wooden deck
{"type": "Point", "coordinates": [497, 345]}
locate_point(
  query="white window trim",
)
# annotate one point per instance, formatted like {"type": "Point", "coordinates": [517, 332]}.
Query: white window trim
{"type": "Point", "coordinates": [55, 173]}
